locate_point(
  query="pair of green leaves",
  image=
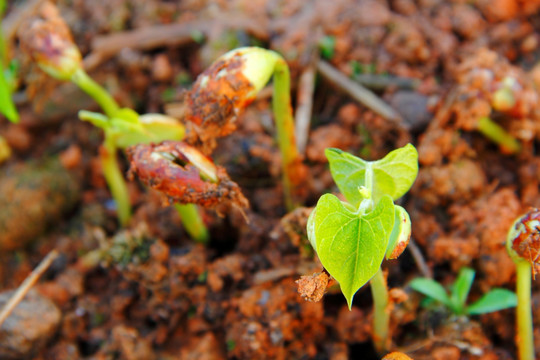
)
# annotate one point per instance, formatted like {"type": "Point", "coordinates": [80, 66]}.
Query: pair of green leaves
{"type": "Point", "coordinates": [128, 128]}
{"type": "Point", "coordinates": [352, 238]}
{"type": "Point", "coordinates": [495, 300]}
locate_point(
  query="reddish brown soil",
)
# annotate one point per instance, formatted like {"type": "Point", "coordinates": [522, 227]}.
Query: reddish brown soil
{"type": "Point", "coordinates": [147, 291]}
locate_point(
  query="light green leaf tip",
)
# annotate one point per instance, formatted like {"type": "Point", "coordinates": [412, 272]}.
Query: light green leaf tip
{"type": "Point", "coordinates": [350, 246]}
{"type": "Point", "coordinates": [495, 300]}
{"type": "Point", "coordinates": [393, 175]}
{"type": "Point", "coordinates": [432, 289]}
{"type": "Point", "coordinates": [461, 288]}
{"type": "Point", "coordinates": [400, 235]}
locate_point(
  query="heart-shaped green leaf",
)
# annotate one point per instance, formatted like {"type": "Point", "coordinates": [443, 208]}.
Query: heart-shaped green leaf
{"type": "Point", "coordinates": [392, 175]}
{"type": "Point", "coordinates": [351, 246]}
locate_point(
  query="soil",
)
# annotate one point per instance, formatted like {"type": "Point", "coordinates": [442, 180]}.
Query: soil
{"type": "Point", "coordinates": [147, 291]}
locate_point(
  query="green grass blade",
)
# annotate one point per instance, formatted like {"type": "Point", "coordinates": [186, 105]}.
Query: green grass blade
{"type": "Point", "coordinates": [461, 288]}
{"type": "Point", "coordinates": [432, 289]}
{"type": "Point", "coordinates": [495, 300]}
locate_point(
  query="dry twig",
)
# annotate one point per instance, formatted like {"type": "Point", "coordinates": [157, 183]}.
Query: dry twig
{"type": "Point", "coordinates": [26, 285]}
{"type": "Point", "coordinates": [306, 87]}
{"type": "Point", "coordinates": [104, 47]}
{"type": "Point", "coordinates": [381, 82]}
{"type": "Point", "coordinates": [419, 259]}
{"type": "Point", "coordinates": [359, 93]}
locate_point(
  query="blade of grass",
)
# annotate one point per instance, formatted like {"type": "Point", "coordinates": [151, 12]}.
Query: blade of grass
{"type": "Point", "coordinates": [495, 300]}
{"type": "Point", "coordinates": [432, 289]}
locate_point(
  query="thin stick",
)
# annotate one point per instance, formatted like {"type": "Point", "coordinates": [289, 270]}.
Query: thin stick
{"type": "Point", "coordinates": [147, 38]}
{"type": "Point", "coordinates": [359, 93]}
{"type": "Point", "coordinates": [26, 285]}
{"type": "Point", "coordinates": [306, 87]}
{"type": "Point", "coordinates": [419, 259]}
{"type": "Point", "coordinates": [381, 82]}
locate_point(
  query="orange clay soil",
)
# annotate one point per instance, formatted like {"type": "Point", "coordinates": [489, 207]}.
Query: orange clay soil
{"type": "Point", "coordinates": [148, 292]}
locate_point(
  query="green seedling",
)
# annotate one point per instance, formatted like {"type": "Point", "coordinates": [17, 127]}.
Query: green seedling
{"type": "Point", "coordinates": [353, 237]}
{"type": "Point", "coordinates": [7, 76]}
{"type": "Point", "coordinates": [498, 135]}
{"type": "Point", "coordinates": [327, 46]}
{"type": "Point", "coordinates": [495, 300]}
{"type": "Point", "coordinates": [49, 43]}
{"type": "Point", "coordinates": [502, 100]}
{"type": "Point", "coordinates": [523, 246]}
{"type": "Point", "coordinates": [222, 91]}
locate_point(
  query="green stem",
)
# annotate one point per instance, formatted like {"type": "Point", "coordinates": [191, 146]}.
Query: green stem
{"type": "Point", "coordinates": [281, 105]}
{"type": "Point", "coordinates": [381, 316]}
{"type": "Point", "coordinates": [193, 223]}
{"type": "Point", "coordinates": [6, 103]}
{"type": "Point", "coordinates": [525, 342]}
{"type": "Point", "coordinates": [115, 180]}
{"type": "Point", "coordinates": [7, 107]}
{"type": "Point", "coordinates": [497, 134]}
{"type": "Point", "coordinates": [96, 91]}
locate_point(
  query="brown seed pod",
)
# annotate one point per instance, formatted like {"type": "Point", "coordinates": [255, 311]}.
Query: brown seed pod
{"type": "Point", "coordinates": [48, 41]}
{"type": "Point", "coordinates": [223, 90]}
{"type": "Point", "coordinates": [524, 238]}
{"type": "Point", "coordinates": [183, 174]}
{"type": "Point", "coordinates": [217, 97]}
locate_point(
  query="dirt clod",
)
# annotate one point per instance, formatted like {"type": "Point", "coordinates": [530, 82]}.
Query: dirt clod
{"type": "Point", "coordinates": [33, 196]}
{"type": "Point", "coordinates": [313, 287]}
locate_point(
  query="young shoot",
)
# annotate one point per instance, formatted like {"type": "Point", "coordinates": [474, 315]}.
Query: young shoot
{"type": "Point", "coordinates": [232, 82]}
{"type": "Point", "coordinates": [49, 43]}
{"type": "Point", "coordinates": [523, 246]}
{"type": "Point", "coordinates": [498, 135]}
{"type": "Point", "coordinates": [494, 300]}
{"type": "Point", "coordinates": [352, 238]}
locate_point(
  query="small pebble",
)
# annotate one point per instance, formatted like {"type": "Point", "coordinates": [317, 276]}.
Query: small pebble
{"type": "Point", "coordinates": [18, 137]}
{"type": "Point", "coordinates": [29, 327]}
{"type": "Point", "coordinates": [413, 107]}
{"type": "Point", "coordinates": [161, 68]}
{"type": "Point", "coordinates": [71, 157]}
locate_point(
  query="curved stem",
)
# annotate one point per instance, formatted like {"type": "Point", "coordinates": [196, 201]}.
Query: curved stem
{"type": "Point", "coordinates": [525, 342]}
{"type": "Point", "coordinates": [193, 223]}
{"type": "Point", "coordinates": [96, 91]}
{"type": "Point", "coordinates": [115, 180]}
{"type": "Point", "coordinates": [281, 105]}
{"type": "Point", "coordinates": [497, 134]}
{"type": "Point", "coordinates": [381, 316]}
